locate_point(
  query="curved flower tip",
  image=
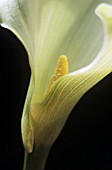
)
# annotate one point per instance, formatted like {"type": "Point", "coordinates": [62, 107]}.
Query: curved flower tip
{"type": "Point", "coordinates": [104, 11]}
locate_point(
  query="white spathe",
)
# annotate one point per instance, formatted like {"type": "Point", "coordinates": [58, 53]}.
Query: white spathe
{"type": "Point", "coordinates": [49, 29]}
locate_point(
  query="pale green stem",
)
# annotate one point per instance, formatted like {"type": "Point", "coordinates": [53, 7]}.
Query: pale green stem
{"type": "Point", "coordinates": [37, 159]}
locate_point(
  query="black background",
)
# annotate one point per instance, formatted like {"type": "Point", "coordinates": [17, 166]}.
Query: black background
{"type": "Point", "coordinates": [85, 142]}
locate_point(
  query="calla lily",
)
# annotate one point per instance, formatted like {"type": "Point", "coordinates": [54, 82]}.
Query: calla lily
{"type": "Point", "coordinates": [51, 30]}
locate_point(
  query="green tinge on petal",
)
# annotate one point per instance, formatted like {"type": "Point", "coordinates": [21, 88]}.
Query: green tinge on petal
{"type": "Point", "coordinates": [104, 11]}
{"type": "Point", "coordinates": [26, 126]}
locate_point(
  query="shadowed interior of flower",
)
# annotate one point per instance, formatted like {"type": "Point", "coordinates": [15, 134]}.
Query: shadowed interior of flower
{"type": "Point", "coordinates": [53, 92]}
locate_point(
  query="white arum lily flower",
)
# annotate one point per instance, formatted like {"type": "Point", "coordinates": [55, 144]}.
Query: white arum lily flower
{"type": "Point", "coordinates": [63, 40]}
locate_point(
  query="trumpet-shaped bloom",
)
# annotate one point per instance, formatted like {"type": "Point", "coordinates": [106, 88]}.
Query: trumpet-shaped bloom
{"type": "Point", "coordinates": [51, 30]}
